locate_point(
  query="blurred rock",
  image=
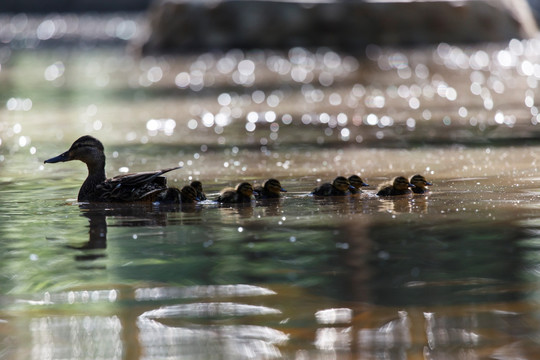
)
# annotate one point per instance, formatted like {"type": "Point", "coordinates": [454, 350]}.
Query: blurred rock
{"type": "Point", "coordinates": [194, 25]}
{"type": "Point", "coordinates": [71, 6]}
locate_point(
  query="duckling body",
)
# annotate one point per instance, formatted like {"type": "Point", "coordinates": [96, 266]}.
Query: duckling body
{"type": "Point", "coordinates": [356, 184]}
{"type": "Point", "coordinates": [399, 186]}
{"type": "Point", "coordinates": [420, 184]}
{"type": "Point", "coordinates": [197, 185]}
{"type": "Point", "coordinates": [339, 187]}
{"type": "Point", "coordinates": [271, 189]}
{"type": "Point", "coordinates": [137, 187]}
{"type": "Point", "coordinates": [242, 194]}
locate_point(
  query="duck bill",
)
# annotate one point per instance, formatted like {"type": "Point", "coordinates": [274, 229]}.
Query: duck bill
{"type": "Point", "coordinates": [411, 185]}
{"type": "Point", "coordinates": [428, 183]}
{"type": "Point", "coordinates": [364, 184]}
{"type": "Point", "coordinates": [60, 158]}
{"type": "Point", "coordinates": [282, 190]}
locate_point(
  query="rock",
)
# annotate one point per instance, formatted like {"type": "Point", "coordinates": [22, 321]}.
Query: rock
{"type": "Point", "coordinates": [197, 25]}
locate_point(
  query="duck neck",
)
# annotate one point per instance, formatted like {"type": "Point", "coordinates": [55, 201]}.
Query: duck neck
{"type": "Point", "coordinates": [96, 175]}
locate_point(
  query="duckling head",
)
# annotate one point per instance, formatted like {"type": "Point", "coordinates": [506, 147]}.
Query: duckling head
{"type": "Point", "coordinates": [420, 182]}
{"type": "Point", "coordinates": [401, 183]}
{"type": "Point", "coordinates": [341, 183]}
{"type": "Point", "coordinates": [245, 189]}
{"type": "Point", "coordinates": [189, 194]}
{"type": "Point", "coordinates": [356, 181]}
{"type": "Point", "coordinates": [87, 149]}
{"type": "Point", "coordinates": [197, 185]}
{"type": "Point", "coordinates": [274, 186]}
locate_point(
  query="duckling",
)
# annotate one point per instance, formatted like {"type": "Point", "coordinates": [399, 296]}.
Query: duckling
{"type": "Point", "coordinates": [198, 186]}
{"type": "Point", "coordinates": [399, 186]}
{"type": "Point", "coordinates": [138, 187]}
{"type": "Point", "coordinates": [420, 184]}
{"type": "Point", "coordinates": [338, 187]}
{"type": "Point", "coordinates": [242, 194]}
{"type": "Point", "coordinates": [356, 183]}
{"type": "Point", "coordinates": [189, 195]}
{"type": "Point", "coordinates": [270, 190]}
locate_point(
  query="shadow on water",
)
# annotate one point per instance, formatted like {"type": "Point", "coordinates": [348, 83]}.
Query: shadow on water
{"type": "Point", "coordinates": [434, 262]}
{"type": "Point", "coordinates": [390, 262]}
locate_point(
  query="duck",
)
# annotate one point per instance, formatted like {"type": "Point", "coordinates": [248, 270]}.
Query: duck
{"type": "Point", "coordinates": [399, 186]}
{"type": "Point", "coordinates": [339, 187]}
{"type": "Point", "coordinates": [137, 187]}
{"type": "Point", "coordinates": [356, 184]}
{"type": "Point", "coordinates": [420, 184]}
{"type": "Point", "coordinates": [189, 195]}
{"type": "Point", "coordinates": [197, 185]}
{"type": "Point", "coordinates": [243, 193]}
{"type": "Point", "coordinates": [271, 189]}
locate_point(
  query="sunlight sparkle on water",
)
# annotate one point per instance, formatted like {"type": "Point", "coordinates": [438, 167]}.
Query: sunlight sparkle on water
{"type": "Point", "coordinates": [54, 71]}
{"type": "Point", "coordinates": [19, 104]}
{"type": "Point", "coordinates": [166, 126]}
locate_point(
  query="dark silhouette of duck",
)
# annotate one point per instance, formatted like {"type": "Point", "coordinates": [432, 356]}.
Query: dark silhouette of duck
{"type": "Point", "coordinates": [271, 189]}
{"type": "Point", "coordinates": [339, 187]}
{"type": "Point", "coordinates": [399, 186]}
{"type": "Point", "coordinates": [138, 187]}
{"type": "Point", "coordinates": [197, 185]}
{"type": "Point", "coordinates": [356, 184]}
{"type": "Point", "coordinates": [189, 195]}
{"type": "Point", "coordinates": [242, 194]}
{"type": "Point", "coordinates": [420, 184]}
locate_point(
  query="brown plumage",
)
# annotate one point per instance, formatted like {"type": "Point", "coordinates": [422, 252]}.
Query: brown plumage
{"type": "Point", "coordinates": [188, 194]}
{"type": "Point", "coordinates": [339, 187]}
{"type": "Point", "coordinates": [356, 184]}
{"type": "Point", "coordinates": [420, 184]}
{"type": "Point", "coordinates": [271, 189]}
{"type": "Point", "coordinates": [399, 186]}
{"type": "Point", "coordinates": [242, 194]}
{"type": "Point", "coordinates": [144, 186]}
{"type": "Point", "coordinates": [197, 185]}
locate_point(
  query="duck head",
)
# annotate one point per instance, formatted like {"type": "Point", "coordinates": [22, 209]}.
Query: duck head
{"type": "Point", "coordinates": [87, 149]}
{"type": "Point", "coordinates": [189, 194]}
{"type": "Point", "coordinates": [401, 183]}
{"type": "Point", "coordinates": [341, 183]}
{"type": "Point", "coordinates": [420, 182]}
{"type": "Point", "coordinates": [274, 186]}
{"type": "Point", "coordinates": [245, 189]}
{"type": "Point", "coordinates": [197, 185]}
{"type": "Point", "coordinates": [356, 181]}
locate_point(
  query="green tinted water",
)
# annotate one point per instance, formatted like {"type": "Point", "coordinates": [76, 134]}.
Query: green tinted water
{"type": "Point", "coordinates": [450, 274]}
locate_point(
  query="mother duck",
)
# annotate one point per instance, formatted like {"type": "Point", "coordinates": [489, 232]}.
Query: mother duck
{"type": "Point", "coordinates": [139, 187]}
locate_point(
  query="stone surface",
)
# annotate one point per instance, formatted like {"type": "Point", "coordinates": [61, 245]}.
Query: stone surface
{"type": "Point", "coordinates": [184, 25]}
{"type": "Point", "coordinates": [71, 6]}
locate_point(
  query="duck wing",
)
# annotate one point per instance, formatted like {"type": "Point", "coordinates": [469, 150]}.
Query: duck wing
{"type": "Point", "coordinates": [134, 187]}
{"type": "Point", "coordinates": [141, 177]}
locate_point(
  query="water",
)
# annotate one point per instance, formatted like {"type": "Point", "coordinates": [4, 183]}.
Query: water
{"type": "Point", "coordinates": [450, 274]}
